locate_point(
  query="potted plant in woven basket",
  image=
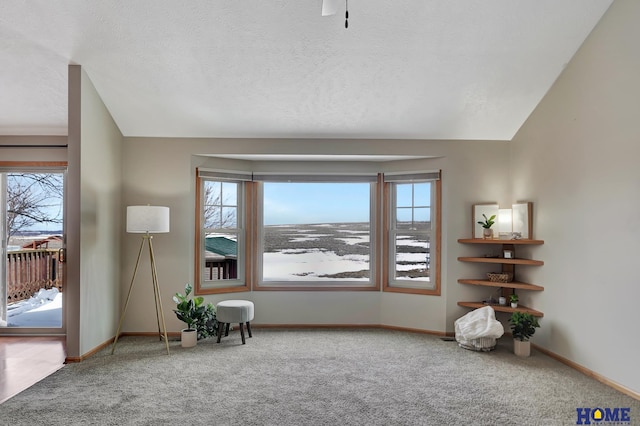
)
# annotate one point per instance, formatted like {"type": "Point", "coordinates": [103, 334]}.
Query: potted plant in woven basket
{"type": "Point", "coordinates": [523, 326]}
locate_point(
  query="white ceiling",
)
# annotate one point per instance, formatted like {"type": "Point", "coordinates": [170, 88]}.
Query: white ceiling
{"type": "Point", "coordinates": [411, 69]}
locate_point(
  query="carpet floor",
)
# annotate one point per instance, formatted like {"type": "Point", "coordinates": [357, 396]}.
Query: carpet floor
{"type": "Point", "coordinates": [312, 377]}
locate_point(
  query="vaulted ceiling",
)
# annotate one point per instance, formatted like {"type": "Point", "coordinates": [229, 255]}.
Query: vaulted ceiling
{"type": "Point", "coordinates": [411, 69]}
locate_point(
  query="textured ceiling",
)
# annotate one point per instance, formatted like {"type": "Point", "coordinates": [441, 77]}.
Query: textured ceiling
{"type": "Point", "coordinates": [412, 69]}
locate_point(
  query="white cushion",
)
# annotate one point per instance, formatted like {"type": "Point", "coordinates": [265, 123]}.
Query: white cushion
{"type": "Point", "coordinates": [234, 311]}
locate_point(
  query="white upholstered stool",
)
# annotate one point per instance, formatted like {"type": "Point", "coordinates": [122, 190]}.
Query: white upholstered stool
{"type": "Point", "coordinates": [234, 311]}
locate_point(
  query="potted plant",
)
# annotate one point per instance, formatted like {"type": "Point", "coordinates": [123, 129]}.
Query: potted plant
{"type": "Point", "coordinates": [523, 326]}
{"type": "Point", "coordinates": [513, 299]}
{"type": "Point", "coordinates": [487, 232]}
{"type": "Point", "coordinates": [194, 313]}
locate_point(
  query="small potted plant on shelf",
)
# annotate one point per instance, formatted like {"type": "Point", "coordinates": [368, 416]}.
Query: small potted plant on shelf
{"type": "Point", "coordinates": [200, 318]}
{"type": "Point", "coordinates": [487, 232]}
{"type": "Point", "coordinates": [523, 326]}
{"type": "Point", "coordinates": [513, 299]}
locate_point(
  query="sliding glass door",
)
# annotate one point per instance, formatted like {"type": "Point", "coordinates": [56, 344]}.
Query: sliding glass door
{"type": "Point", "coordinates": [32, 234]}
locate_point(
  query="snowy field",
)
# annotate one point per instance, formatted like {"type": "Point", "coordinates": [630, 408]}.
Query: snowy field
{"type": "Point", "coordinates": [325, 252]}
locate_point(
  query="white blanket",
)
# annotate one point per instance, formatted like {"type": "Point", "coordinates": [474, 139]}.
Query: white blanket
{"type": "Point", "coordinates": [479, 323]}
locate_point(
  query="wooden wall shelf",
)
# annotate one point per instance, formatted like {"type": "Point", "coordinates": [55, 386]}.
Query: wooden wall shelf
{"type": "Point", "coordinates": [512, 284]}
{"type": "Point", "coordinates": [498, 308]}
{"type": "Point", "coordinates": [497, 241]}
{"type": "Point", "coordinates": [502, 261]}
{"type": "Point", "coordinates": [508, 265]}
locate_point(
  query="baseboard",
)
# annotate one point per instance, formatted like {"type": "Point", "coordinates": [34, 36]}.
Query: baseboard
{"type": "Point", "coordinates": [353, 326]}
{"type": "Point", "coordinates": [93, 351]}
{"type": "Point", "coordinates": [417, 330]}
{"type": "Point", "coordinates": [110, 342]}
{"type": "Point", "coordinates": [588, 372]}
{"type": "Point", "coordinates": [149, 333]}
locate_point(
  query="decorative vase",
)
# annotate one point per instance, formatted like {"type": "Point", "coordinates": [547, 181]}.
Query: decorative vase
{"type": "Point", "coordinates": [502, 301]}
{"type": "Point", "coordinates": [188, 338]}
{"type": "Point", "coordinates": [487, 233]}
{"type": "Point", "coordinates": [521, 348]}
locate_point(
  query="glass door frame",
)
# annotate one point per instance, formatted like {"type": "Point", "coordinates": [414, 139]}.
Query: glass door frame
{"type": "Point", "coordinates": [33, 167]}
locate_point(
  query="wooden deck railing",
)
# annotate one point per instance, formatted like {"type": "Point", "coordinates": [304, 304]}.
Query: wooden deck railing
{"type": "Point", "coordinates": [30, 270]}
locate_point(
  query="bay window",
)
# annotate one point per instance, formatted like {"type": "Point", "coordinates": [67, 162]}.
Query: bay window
{"type": "Point", "coordinates": [317, 231]}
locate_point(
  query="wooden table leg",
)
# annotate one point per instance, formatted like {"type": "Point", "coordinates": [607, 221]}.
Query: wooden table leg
{"type": "Point", "coordinates": [220, 327]}
{"type": "Point", "coordinates": [242, 333]}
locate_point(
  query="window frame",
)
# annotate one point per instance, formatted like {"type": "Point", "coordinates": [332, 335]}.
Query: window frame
{"type": "Point", "coordinates": [396, 286]}
{"type": "Point", "coordinates": [243, 218]}
{"type": "Point", "coordinates": [373, 284]}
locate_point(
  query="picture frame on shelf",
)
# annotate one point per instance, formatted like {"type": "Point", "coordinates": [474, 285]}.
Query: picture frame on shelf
{"type": "Point", "coordinates": [523, 219]}
{"type": "Point", "coordinates": [488, 209]}
{"type": "Point", "coordinates": [508, 254]}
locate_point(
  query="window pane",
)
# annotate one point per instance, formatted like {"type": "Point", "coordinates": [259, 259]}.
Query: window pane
{"type": "Point", "coordinates": [229, 218]}
{"type": "Point", "coordinates": [417, 219]}
{"type": "Point", "coordinates": [221, 257]}
{"type": "Point", "coordinates": [230, 193]}
{"type": "Point", "coordinates": [316, 232]}
{"type": "Point", "coordinates": [413, 202]}
{"type": "Point", "coordinates": [220, 205]}
{"type": "Point", "coordinates": [422, 194]}
{"type": "Point", "coordinates": [412, 257]}
{"type": "Point", "coordinates": [404, 195]}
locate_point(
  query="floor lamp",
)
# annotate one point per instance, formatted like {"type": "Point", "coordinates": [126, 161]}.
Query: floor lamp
{"type": "Point", "coordinates": [147, 220]}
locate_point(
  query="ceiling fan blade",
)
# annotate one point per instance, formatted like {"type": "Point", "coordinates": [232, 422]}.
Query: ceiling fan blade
{"type": "Point", "coordinates": [329, 7]}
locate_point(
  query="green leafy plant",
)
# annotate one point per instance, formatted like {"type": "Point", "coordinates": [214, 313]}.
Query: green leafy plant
{"type": "Point", "coordinates": [195, 313]}
{"type": "Point", "coordinates": [488, 222]}
{"type": "Point", "coordinates": [207, 324]}
{"type": "Point", "coordinates": [523, 325]}
{"type": "Point", "coordinates": [188, 310]}
{"type": "Point", "coordinates": [513, 298]}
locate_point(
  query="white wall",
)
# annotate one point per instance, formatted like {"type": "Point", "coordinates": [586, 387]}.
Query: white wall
{"type": "Point", "coordinates": [100, 217]}
{"type": "Point", "coordinates": [161, 172]}
{"type": "Point", "coordinates": [576, 159]}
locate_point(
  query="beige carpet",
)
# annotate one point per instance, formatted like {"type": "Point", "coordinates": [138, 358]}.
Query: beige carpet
{"type": "Point", "coordinates": [312, 377]}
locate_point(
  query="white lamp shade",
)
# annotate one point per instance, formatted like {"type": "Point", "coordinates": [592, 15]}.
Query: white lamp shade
{"type": "Point", "coordinates": [329, 7]}
{"type": "Point", "coordinates": [143, 219]}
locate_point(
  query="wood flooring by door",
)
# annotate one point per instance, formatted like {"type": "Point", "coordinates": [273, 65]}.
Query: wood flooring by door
{"type": "Point", "coordinates": [26, 360]}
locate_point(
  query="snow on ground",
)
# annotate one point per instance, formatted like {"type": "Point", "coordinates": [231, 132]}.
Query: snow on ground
{"type": "Point", "coordinates": [352, 241]}
{"type": "Point", "coordinates": [304, 265]}
{"type": "Point", "coordinates": [44, 309]}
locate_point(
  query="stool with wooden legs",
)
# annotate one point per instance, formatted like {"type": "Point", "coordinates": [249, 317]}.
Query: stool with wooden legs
{"type": "Point", "coordinates": [234, 312]}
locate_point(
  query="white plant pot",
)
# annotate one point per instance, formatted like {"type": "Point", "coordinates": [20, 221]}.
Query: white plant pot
{"type": "Point", "coordinates": [514, 305]}
{"type": "Point", "coordinates": [188, 338]}
{"type": "Point", "coordinates": [521, 348]}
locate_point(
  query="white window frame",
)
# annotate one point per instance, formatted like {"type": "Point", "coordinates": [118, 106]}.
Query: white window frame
{"type": "Point", "coordinates": [240, 283]}
{"type": "Point", "coordinates": [371, 284]}
{"type": "Point", "coordinates": [391, 282]}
